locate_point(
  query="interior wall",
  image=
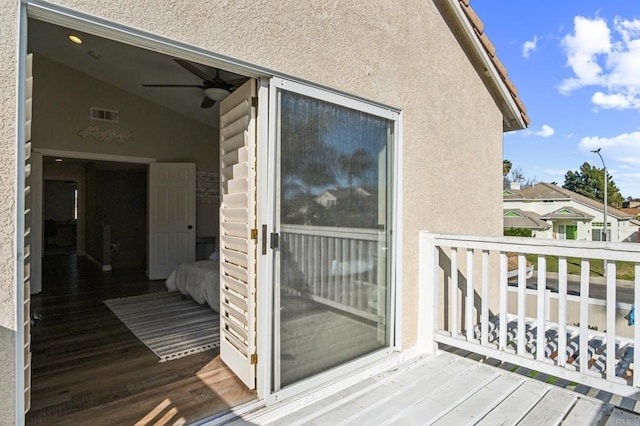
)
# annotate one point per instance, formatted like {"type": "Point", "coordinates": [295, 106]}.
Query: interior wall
{"type": "Point", "coordinates": [155, 131]}
{"type": "Point", "coordinates": [59, 200]}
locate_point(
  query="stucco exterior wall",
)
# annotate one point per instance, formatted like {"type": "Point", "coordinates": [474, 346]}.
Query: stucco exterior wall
{"type": "Point", "coordinates": [8, 43]}
{"type": "Point", "coordinates": [403, 55]}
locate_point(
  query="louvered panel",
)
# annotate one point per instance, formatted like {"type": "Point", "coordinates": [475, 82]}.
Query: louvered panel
{"type": "Point", "coordinates": [236, 229]}
{"type": "Point", "coordinates": [240, 244]}
{"type": "Point", "coordinates": [26, 238]}
{"type": "Point", "coordinates": [233, 257]}
{"type": "Point", "coordinates": [238, 186]}
{"type": "Point", "coordinates": [229, 159]}
{"type": "Point", "coordinates": [234, 215]}
{"type": "Point", "coordinates": [236, 142]}
{"type": "Point", "coordinates": [237, 217]}
{"type": "Point", "coordinates": [234, 271]}
{"type": "Point", "coordinates": [239, 200]}
{"type": "Point", "coordinates": [237, 286]}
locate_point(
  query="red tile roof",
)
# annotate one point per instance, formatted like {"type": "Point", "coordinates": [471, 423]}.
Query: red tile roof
{"type": "Point", "coordinates": [478, 27]}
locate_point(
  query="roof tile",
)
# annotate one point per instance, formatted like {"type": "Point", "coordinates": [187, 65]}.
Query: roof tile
{"type": "Point", "coordinates": [478, 26]}
{"type": "Point", "coordinates": [473, 17]}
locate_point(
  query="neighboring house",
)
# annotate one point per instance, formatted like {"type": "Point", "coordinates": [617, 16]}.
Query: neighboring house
{"type": "Point", "coordinates": [415, 85]}
{"type": "Point", "coordinates": [633, 211]}
{"type": "Point", "coordinates": [520, 219]}
{"type": "Point", "coordinates": [335, 196]}
{"type": "Point", "coordinates": [567, 215]}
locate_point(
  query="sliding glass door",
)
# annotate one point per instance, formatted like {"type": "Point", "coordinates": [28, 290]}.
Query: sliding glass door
{"type": "Point", "coordinates": [333, 216]}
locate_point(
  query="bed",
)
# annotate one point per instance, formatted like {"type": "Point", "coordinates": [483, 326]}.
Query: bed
{"type": "Point", "coordinates": [199, 280]}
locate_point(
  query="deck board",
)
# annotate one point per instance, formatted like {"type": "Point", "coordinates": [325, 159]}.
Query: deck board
{"type": "Point", "coordinates": [482, 402]}
{"type": "Point", "coordinates": [511, 410]}
{"type": "Point", "coordinates": [588, 412]}
{"type": "Point", "coordinates": [551, 409]}
{"type": "Point", "coordinates": [446, 389]}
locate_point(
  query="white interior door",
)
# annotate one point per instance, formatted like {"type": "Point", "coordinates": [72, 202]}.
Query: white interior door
{"type": "Point", "coordinates": [238, 232]}
{"type": "Point", "coordinates": [172, 217]}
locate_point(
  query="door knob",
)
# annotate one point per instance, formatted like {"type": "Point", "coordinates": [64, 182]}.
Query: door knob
{"type": "Point", "coordinates": [190, 227]}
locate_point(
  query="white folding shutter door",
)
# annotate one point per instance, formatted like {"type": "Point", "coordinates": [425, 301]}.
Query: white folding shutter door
{"type": "Point", "coordinates": [28, 241]}
{"type": "Point", "coordinates": [237, 244]}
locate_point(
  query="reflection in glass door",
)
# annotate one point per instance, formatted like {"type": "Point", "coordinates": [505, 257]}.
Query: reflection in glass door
{"type": "Point", "coordinates": [332, 300]}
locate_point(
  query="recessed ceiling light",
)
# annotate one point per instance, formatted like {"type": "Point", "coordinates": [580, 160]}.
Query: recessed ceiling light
{"type": "Point", "coordinates": [75, 39]}
{"type": "Point", "coordinates": [59, 160]}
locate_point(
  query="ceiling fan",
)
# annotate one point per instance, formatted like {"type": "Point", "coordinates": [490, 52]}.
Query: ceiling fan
{"type": "Point", "coordinates": [215, 88]}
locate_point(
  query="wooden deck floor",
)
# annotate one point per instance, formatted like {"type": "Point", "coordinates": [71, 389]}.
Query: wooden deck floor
{"type": "Point", "coordinates": [88, 368]}
{"type": "Point", "coordinates": [448, 389]}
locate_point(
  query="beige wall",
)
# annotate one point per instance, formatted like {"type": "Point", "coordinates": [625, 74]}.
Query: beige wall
{"type": "Point", "coordinates": [63, 98]}
{"type": "Point", "coordinates": [400, 55]}
{"type": "Point", "coordinates": [9, 25]}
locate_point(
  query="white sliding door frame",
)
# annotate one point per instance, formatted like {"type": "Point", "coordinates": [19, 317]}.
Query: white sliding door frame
{"type": "Point", "coordinates": [395, 313]}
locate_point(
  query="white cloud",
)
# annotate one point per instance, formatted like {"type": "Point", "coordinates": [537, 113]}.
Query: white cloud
{"type": "Point", "coordinates": [624, 147]}
{"type": "Point", "coordinates": [606, 57]}
{"type": "Point", "coordinates": [545, 131]}
{"type": "Point", "coordinates": [619, 153]}
{"type": "Point", "coordinates": [529, 46]}
{"type": "Point", "coordinates": [615, 100]}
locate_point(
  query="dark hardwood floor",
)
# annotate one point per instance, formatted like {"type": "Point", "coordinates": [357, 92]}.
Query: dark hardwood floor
{"type": "Point", "coordinates": [88, 368]}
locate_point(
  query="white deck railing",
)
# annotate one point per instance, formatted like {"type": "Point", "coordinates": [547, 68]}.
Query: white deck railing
{"type": "Point", "coordinates": [337, 267]}
{"type": "Point", "coordinates": [467, 302]}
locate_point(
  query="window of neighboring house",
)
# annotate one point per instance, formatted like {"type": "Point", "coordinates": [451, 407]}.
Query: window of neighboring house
{"type": "Point", "coordinates": [331, 203]}
{"type": "Point", "coordinates": [597, 231]}
{"type": "Point", "coordinates": [562, 232]}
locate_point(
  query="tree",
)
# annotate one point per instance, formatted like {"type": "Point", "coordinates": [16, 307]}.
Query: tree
{"type": "Point", "coordinates": [506, 167]}
{"type": "Point", "coordinates": [516, 175]}
{"type": "Point", "coordinates": [588, 181]}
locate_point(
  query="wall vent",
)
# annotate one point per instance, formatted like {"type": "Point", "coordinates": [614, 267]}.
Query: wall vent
{"type": "Point", "coordinates": [105, 115]}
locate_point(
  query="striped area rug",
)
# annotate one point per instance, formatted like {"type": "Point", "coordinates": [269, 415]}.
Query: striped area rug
{"type": "Point", "coordinates": [171, 327]}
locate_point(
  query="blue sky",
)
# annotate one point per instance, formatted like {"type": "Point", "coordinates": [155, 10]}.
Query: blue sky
{"type": "Point", "coordinates": [576, 64]}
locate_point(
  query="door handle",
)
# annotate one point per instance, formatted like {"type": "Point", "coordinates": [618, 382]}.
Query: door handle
{"type": "Point", "coordinates": [190, 227]}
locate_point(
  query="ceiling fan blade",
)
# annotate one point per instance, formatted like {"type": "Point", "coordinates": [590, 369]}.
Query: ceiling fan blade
{"type": "Point", "coordinates": [207, 102]}
{"type": "Point", "coordinates": [193, 69]}
{"type": "Point", "coordinates": [173, 85]}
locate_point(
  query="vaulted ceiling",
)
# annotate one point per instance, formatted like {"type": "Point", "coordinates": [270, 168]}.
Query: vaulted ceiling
{"type": "Point", "coordinates": [128, 68]}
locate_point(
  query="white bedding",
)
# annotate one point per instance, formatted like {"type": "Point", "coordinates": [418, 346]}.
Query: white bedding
{"type": "Point", "coordinates": [200, 280]}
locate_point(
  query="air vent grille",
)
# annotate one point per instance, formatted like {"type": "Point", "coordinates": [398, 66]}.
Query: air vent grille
{"type": "Point", "coordinates": [105, 115]}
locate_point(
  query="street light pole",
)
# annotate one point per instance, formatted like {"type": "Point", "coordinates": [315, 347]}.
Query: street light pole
{"type": "Point", "coordinates": [606, 187]}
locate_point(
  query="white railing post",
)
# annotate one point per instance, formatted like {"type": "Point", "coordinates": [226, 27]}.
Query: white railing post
{"type": "Point", "coordinates": [543, 306]}
{"type": "Point", "coordinates": [562, 311]}
{"type": "Point", "coordinates": [484, 316]}
{"type": "Point", "coordinates": [585, 268]}
{"type": "Point", "coordinates": [504, 283]}
{"type": "Point", "coordinates": [522, 304]}
{"type": "Point", "coordinates": [428, 293]}
{"type": "Point", "coordinates": [469, 298]}
{"type": "Point", "coordinates": [453, 309]}
{"type": "Point", "coordinates": [610, 270]}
